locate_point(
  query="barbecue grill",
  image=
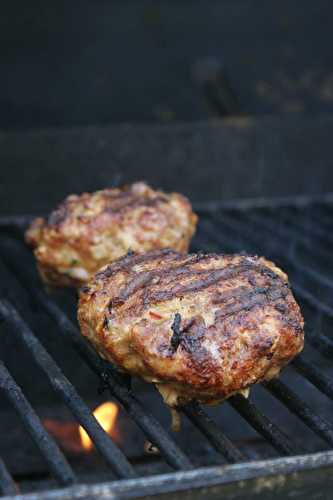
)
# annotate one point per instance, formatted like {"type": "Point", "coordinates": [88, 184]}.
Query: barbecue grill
{"type": "Point", "coordinates": [296, 453]}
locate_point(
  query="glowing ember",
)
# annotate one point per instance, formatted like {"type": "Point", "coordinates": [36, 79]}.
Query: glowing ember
{"type": "Point", "coordinates": [66, 433]}
{"type": "Point", "coordinates": [73, 438]}
{"type": "Point", "coordinates": [106, 415]}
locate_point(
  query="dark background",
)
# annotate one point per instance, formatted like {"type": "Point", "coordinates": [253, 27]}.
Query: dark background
{"type": "Point", "coordinates": [219, 99]}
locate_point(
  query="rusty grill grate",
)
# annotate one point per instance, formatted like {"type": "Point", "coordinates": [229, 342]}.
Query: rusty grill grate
{"type": "Point", "coordinates": [297, 235]}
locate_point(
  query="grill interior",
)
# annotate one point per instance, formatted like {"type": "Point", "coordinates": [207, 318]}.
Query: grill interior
{"type": "Point", "coordinates": [283, 418]}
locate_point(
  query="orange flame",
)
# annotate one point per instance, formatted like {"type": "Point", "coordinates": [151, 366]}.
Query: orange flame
{"type": "Point", "coordinates": [73, 438]}
{"type": "Point", "coordinates": [106, 415]}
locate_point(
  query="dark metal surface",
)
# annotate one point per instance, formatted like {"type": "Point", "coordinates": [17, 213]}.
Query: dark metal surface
{"type": "Point", "coordinates": [212, 432]}
{"type": "Point", "coordinates": [7, 484]}
{"type": "Point", "coordinates": [221, 160]}
{"type": "Point", "coordinates": [209, 482]}
{"type": "Point", "coordinates": [54, 457]}
{"type": "Point", "coordinates": [317, 423]}
{"type": "Point", "coordinates": [314, 375]}
{"type": "Point", "coordinates": [62, 386]}
{"type": "Point", "coordinates": [135, 61]}
{"type": "Point", "coordinates": [264, 426]}
{"type": "Point", "coordinates": [223, 228]}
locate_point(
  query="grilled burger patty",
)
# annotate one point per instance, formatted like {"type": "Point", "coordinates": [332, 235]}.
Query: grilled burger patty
{"type": "Point", "coordinates": [90, 230]}
{"type": "Point", "coordinates": [200, 327]}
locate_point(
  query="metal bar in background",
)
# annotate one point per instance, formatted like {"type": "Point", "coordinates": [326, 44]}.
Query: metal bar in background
{"type": "Point", "coordinates": [311, 373]}
{"type": "Point", "coordinates": [312, 300]}
{"type": "Point", "coordinates": [7, 484]}
{"type": "Point", "coordinates": [267, 222]}
{"type": "Point", "coordinates": [300, 221]}
{"type": "Point", "coordinates": [102, 441]}
{"type": "Point", "coordinates": [145, 420]}
{"type": "Point", "coordinates": [316, 423]}
{"type": "Point", "coordinates": [319, 202]}
{"type": "Point", "coordinates": [248, 479]}
{"type": "Point", "coordinates": [212, 432]}
{"type": "Point", "coordinates": [47, 446]}
{"type": "Point", "coordinates": [244, 204]}
{"type": "Point", "coordinates": [280, 441]}
{"type": "Point", "coordinates": [322, 343]}
{"type": "Point", "coordinates": [321, 217]}
{"type": "Point", "coordinates": [15, 221]}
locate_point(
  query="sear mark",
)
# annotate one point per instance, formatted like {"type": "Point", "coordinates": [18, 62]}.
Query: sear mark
{"type": "Point", "coordinates": [126, 262]}
{"type": "Point", "coordinates": [176, 336]}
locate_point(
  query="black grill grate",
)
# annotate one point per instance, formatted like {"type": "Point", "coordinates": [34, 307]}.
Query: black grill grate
{"type": "Point", "coordinates": [296, 235]}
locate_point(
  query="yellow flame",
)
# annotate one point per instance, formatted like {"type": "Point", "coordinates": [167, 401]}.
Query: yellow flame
{"type": "Point", "coordinates": [106, 415]}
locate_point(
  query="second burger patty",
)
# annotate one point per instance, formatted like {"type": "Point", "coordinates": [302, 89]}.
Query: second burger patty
{"type": "Point", "coordinates": [90, 230]}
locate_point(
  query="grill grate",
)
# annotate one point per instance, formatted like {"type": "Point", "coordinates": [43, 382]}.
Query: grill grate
{"type": "Point", "coordinates": [297, 236]}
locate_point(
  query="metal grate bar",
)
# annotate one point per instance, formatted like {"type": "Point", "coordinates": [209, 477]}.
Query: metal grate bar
{"type": "Point", "coordinates": [15, 221]}
{"type": "Point", "coordinates": [263, 425]}
{"type": "Point", "coordinates": [290, 232]}
{"type": "Point", "coordinates": [322, 343]}
{"type": "Point", "coordinates": [272, 245]}
{"type": "Point", "coordinates": [212, 432]}
{"type": "Point", "coordinates": [7, 485]}
{"type": "Point", "coordinates": [317, 231]}
{"type": "Point", "coordinates": [145, 420]}
{"type": "Point", "coordinates": [310, 372]}
{"type": "Point", "coordinates": [301, 409]}
{"type": "Point", "coordinates": [308, 297]}
{"type": "Point", "coordinates": [244, 204]}
{"type": "Point", "coordinates": [50, 451]}
{"type": "Point", "coordinates": [111, 453]}
{"type": "Point", "coordinates": [319, 217]}
{"type": "Point", "coordinates": [155, 432]}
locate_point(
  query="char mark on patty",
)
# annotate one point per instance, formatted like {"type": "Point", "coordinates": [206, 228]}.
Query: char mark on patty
{"type": "Point", "coordinates": [168, 275]}
{"type": "Point", "coordinates": [207, 278]}
{"type": "Point", "coordinates": [259, 296]}
{"type": "Point", "coordinates": [176, 336]}
{"type": "Point", "coordinates": [126, 262]}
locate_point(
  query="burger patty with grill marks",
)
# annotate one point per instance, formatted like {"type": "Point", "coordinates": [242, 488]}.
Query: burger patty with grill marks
{"type": "Point", "coordinates": [200, 327]}
{"type": "Point", "coordinates": [88, 231]}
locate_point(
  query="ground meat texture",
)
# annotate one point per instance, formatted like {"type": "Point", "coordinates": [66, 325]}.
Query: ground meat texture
{"type": "Point", "coordinates": [200, 327]}
{"type": "Point", "coordinates": [88, 231]}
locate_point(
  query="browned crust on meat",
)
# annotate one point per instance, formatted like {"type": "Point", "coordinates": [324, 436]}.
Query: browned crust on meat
{"type": "Point", "coordinates": [198, 326]}
{"type": "Point", "coordinates": [85, 232]}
